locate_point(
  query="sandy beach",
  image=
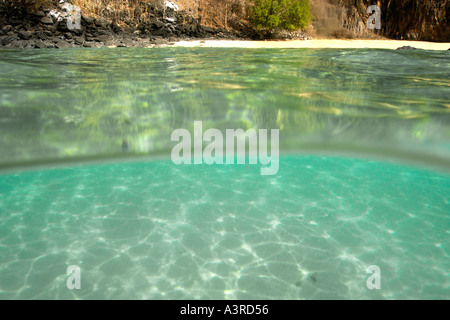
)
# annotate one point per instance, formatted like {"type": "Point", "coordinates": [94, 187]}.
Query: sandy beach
{"type": "Point", "coordinates": [325, 43]}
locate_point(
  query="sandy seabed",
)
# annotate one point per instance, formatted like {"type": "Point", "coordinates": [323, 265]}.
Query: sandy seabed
{"type": "Point", "coordinates": [317, 43]}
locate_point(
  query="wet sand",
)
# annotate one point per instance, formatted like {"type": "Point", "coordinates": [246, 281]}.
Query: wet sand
{"type": "Point", "coordinates": [317, 43]}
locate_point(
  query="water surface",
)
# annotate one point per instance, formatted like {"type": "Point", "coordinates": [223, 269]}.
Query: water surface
{"type": "Point", "coordinates": [58, 105]}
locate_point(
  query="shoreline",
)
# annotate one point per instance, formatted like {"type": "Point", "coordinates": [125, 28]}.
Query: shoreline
{"type": "Point", "coordinates": [315, 44]}
{"type": "Point", "coordinates": [253, 44]}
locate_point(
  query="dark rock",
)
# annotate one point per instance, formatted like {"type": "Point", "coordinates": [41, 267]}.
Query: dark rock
{"type": "Point", "coordinates": [208, 30]}
{"type": "Point", "coordinates": [28, 45]}
{"type": "Point", "coordinates": [160, 32]}
{"type": "Point", "coordinates": [102, 33]}
{"type": "Point", "coordinates": [127, 42]}
{"type": "Point", "coordinates": [47, 20]}
{"type": "Point", "coordinates": [63, 44]}
{"type": "Point", "coordinates": [39, 14]}
{"type": "Point", "coordinates": [41, 35]}
{"type": "Point", "coordinates": [192, 28]}
{"type": "Point", "coordinates": [87, 19]}
{"type": "Point", "coordinates": [15, 22]}
{"type": "Point", "coordinates": [18, 44]}
{"type": "Point", "coordinates": [6, 40]}
{"type": "Point", "coordinates": [7, 28]}
{"type": "Point", "coordinates": [159, 41]}
{"type": "Point", "coordinates": [406, 48]}
{"type": "Point", "coordinates": [142, 27]}
{"type": "Point", "coordinates": [77, 32]}
{"type": "Point", "coordinates": [79, 40]}
{"type": "Point", "coordinates": [68, 35]}
{"type": "Point", "coordinates": [102, 24]}
{"type": "Point", "coordinates": [40, 45]}
{"type": "Point", "coordinates": [93, 33]}
{"type": "Point", "coordinates": [102, 38]}
{"type": "Point", "coordinates": [62, 26]}
{"type": "Point", "coordinates": [25, 35]}
{"type": "Point", "coordinates": [50, 27]}
{"type": "Point", "coordinates": [116, 28]}
{"type": "Point", "coordinates": [157, 25]}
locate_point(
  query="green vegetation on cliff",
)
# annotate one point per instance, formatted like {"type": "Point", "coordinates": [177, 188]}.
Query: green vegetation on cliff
{"type": "Point", "coordinates": [280, 14]}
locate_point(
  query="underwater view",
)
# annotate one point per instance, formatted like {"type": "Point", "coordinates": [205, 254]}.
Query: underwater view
{"type": "Point", "coordinates": [362, 181]}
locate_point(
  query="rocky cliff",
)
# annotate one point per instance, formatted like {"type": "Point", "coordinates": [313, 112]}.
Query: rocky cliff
{"type": "Point", "coordinates": [415, 19]}
{"type": "Point", "coordinates": [63, 25]}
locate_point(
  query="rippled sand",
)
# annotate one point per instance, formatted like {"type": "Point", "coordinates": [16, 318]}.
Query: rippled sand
{"type": "Point", "coordinates": [337, 44]}
{"type": "Point", "coordinates": [154, 230]}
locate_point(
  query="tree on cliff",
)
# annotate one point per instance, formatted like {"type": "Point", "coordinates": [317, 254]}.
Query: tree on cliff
{"type": "Point", "coordinates": [280, 14]}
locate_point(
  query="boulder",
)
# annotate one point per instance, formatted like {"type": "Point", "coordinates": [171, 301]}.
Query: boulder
{"type": "Point", "coordinates": [39, 14]}
{"type": "Point", "coordinates": [87, 19]}
{"type": "Point", "coordinates": [102, 38]}
{"type": "Point", "coordinates": [62, 26]}
{"type": "Point", "coordinates": [406, 48]}
{"type": "Point", "coordinates": [63, 45]}
{"type": "Point", "coordinates": [126, 43]}
{"type": "Point", "coordinates": [159, 41]}
{"type": "Point", "coordinates": [79, 40]}
{"type": "Point", "coordinates": [25, 35]}
{"type": "Point", "coordinates": [6, 40]}
{"type": "Point", "coordinates": [47, 20]}
{"type": "Point", "coordinates": [156, 25]}
{"type": "Point", "coordinates": [89, 37]}
{"type": "Point", "coordinates": [116, 28]}
{"type": "Point", "coordinates": [7, 28]}
{"type": "Point", "coordinates": [77, 32]}
{"type": "Point", "coordinates": [40, 45]}
{"type": "Point", "coordinates": [102, 24]}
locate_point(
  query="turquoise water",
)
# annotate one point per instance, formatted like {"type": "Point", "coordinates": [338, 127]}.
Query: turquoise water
{"type": "Point", "coordinates": [363, 175]}
{"type": "Point", "coordinates": [153, 230]}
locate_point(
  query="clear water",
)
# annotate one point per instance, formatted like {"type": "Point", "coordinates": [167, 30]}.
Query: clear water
{"type": "Point", "coordinates": [139, 228]}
